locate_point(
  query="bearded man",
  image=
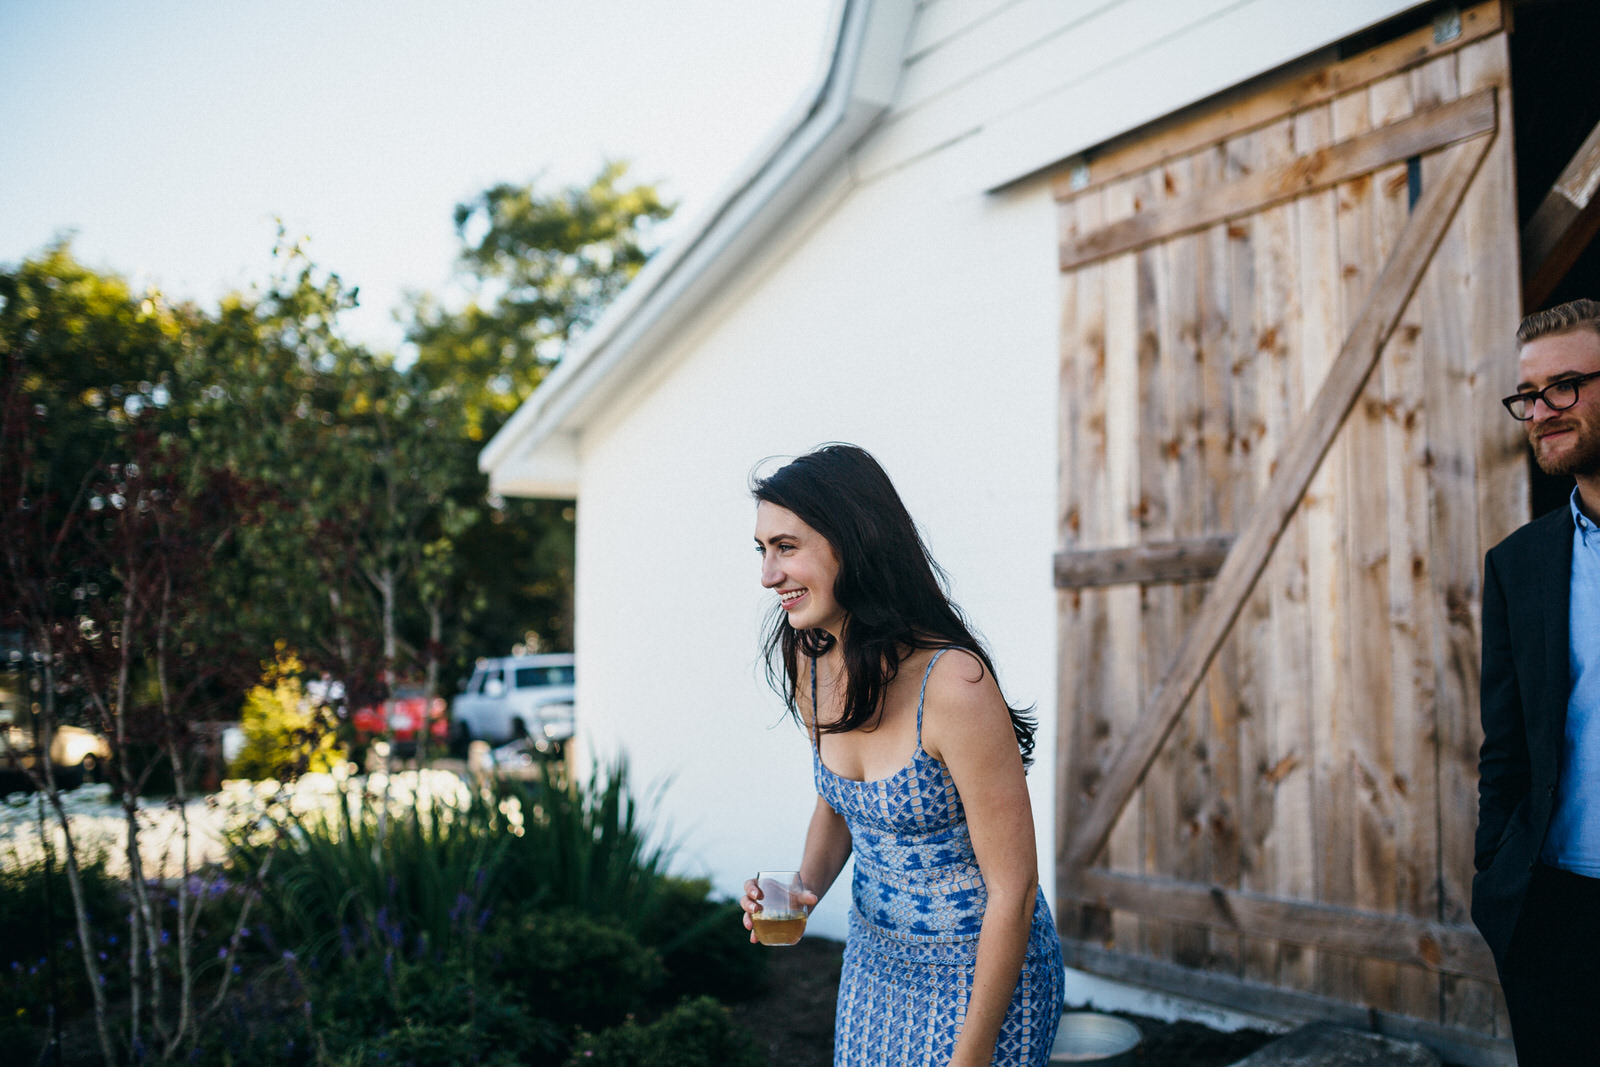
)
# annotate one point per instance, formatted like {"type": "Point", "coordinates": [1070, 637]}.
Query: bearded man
{"type": "Point", "coordinates": [1536, 894]}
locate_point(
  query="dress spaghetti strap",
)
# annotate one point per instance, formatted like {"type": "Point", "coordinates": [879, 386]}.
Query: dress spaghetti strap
{"type": "Point", "coordinates": [923, 695]}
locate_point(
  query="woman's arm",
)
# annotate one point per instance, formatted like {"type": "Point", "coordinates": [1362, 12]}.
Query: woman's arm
{"type": "Point", "coordinates": [967, 727]}
{"type": "Point", "coordinates": [827, 847]}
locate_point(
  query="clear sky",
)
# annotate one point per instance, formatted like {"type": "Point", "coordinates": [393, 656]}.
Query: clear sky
{"type": "Point", "coordinates": [170, 134]}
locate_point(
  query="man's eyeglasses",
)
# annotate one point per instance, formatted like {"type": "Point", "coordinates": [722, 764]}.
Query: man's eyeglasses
{"type": "Point", "coordinates": [1557, 396]}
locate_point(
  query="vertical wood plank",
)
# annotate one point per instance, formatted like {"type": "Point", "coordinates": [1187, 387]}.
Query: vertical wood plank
{"type": "Point", "coordinates": [1290, 851]}
{"type": "Point", "coordinates": [1217, 479]}
{"type": "Point", "coordinates": [1369, 739]}
{"type": "Point", "coordinates": [1071, 629]}
{"type": "Point", "coordinates": [1186, 487]}
{"type": "Point", "coordinates": [1083, 491]}
{"type": "Point", "coordinates": [1252, 632]}
{"type": "Point", "coordinates": [1317, 342]}
{"type": "Point", "coordinates": [1411, 607]}
{"type": "Point", "coordinates": [1490, 215]}
{"type": "Point", "coordinates": [1491, 238]}
{"type": "Point", "coordinates": [1445, 296]}
{"type": "Point", "coordinates": [1169, 386]}
{"type": "Point", "coordinates": [1153, 517]}
{"type": "Point", "coordinates": [1120, 527]}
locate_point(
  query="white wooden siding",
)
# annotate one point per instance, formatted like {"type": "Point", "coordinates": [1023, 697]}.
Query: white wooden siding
{"type": "Point", "coordinates": [1027, 84]}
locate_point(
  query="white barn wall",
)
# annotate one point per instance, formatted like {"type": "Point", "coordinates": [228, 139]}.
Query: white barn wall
{"type": "Point", "coordinates": [908, 311]}
{"type": "Point", "coordinates": [834, 341]}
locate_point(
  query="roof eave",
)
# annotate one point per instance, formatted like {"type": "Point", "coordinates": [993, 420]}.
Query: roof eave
{"type": "Point", "coordinates": [536, 453]}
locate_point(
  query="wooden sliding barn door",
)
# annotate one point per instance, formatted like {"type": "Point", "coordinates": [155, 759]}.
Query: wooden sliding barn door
{"type": "Point", "coordinates": [1286, 324]}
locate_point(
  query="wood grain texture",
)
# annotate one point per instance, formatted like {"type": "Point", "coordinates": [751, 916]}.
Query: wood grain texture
{"type": "Point", "coordinates": [1288, 864]}
{"type": "Point", "coordinates": [1289, 1006]}
{"type": "Point", "coordinates": [1257, 814]}
{"type": "Point", "coordinates": [1084, 685]}
{"type": "Point", "coordinates": [1360, 754]}
{"type": "Point", "coordinates": [1299, 739]}
{"type": "Point", "coordinates": [1412, 706]}
{"type": "Point", "coordinates": [1220, 817]}
{"type": "Point", "coordinates": [1445, 123]}
{"type": "Point", "coordinates": [1185, 488]}
{"type": "Point", "coordinates": [1288, 483]}
{"type": "Point", "coordinates": [1442, 947]}
{"type": "Point", "coordinates": [1192, 560]}
{"type": "Point", "coordinates": [1498, 503]}
{"type": "Point", "coordinates": [1119, 526]}
{"type": "Point", "coordinates": [1251, 106]}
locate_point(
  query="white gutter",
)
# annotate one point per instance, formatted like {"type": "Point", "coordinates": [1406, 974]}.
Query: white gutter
{"type": "Point", "coordinates": [535, 453]}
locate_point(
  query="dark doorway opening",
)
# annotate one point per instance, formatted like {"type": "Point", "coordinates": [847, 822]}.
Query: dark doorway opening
{"type": "Point", "coordinates": [1555, 102]}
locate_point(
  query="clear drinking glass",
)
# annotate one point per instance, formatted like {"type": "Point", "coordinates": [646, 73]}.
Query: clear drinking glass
{"type": "Point", "coordinates": [782, 918]}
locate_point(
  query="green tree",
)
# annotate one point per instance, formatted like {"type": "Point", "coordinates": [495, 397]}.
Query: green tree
{"type": "Point", "coordinates": [539, 269]}
{"type": "Point", "coordinates": [92, 359]}
{"type": "Point", "coordinates": [108, 529]}
{"type": "Point", "coordinates": [396, 473]}
{"type": "Point", "coordinates": [263, 393]}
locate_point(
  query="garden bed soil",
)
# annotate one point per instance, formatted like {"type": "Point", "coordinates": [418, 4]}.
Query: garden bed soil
{"type": "Point", "coordinates": [792, 1019]}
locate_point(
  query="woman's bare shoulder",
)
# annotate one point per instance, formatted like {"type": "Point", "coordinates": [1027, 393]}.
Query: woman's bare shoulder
{"type": "Point", "coordinates": [957, 672]}
{"type": "Point", "coordinates": [962, 703]}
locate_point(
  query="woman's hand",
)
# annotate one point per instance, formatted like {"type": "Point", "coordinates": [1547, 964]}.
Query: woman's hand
{"type": "Point", "coordinates": [827, 848]}
{"type": "Point", "coordinates": [751, 903]}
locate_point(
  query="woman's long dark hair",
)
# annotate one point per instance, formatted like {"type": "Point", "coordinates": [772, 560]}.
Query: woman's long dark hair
{"type": "Point", "coordinates": [890, 587]}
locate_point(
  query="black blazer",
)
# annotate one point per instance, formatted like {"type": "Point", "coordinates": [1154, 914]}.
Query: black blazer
{"type": "Point", "coordinates": [1526, 682]}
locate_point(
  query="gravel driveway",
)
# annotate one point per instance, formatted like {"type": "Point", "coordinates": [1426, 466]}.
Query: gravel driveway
{"type": "Point", "coordinates": [98, 824]}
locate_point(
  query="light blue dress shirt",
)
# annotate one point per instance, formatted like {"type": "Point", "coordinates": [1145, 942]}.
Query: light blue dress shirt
{"type": "Point", "coordinates": [1573, 842]}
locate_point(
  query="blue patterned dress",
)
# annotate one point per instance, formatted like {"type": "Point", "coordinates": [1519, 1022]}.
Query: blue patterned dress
{"type": "Point", "coordinates": [917, 903]}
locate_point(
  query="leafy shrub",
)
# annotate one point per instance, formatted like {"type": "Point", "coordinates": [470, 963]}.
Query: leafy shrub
{"type": "Point", "coordinates": [283, 734]}
{"type": "Point", "coordinates": [377, 1008]}
{"type": "Point", "coordinates": [406, 880]}
{"type": "Point", "coordinates": [437, 876]}
{"type": "Point", "coordinates": [582, 847]}
{"type": "Point", "coordinates": [33, 933]}
{"type": "Point", "coordinates": [431, 1045]}
{"type": "Point", "coordinates": [475, 932]}
{"type": "Point", "coordinates": [697, 1033]}
{"type": "Point", "coordinates": [26, 921]}
{"type": "Point", "coordinates": [21, 1038]}
{"type": "Point", "coordinates": [574, 969]}
{"type": "Point", "coordinates": [703, 943]}
{"type": "Point", "coordinates": [394, 1003]}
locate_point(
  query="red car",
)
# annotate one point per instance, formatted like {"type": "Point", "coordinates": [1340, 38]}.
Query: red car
{"type": "Point", "coordinates": [407, 714]}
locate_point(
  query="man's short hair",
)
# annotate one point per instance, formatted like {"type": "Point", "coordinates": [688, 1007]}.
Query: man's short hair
{"type": "Point", "coordinates": [1573, 315]}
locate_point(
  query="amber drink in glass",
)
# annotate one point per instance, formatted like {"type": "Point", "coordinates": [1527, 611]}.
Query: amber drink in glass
{"type": "Point", "coordinates": [782, 918]}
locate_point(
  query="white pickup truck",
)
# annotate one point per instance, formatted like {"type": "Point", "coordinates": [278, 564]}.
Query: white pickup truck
{"type": "Point", "coordinates": [512, 698]}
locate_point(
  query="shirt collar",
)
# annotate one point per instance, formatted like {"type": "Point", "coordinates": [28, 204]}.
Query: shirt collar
{"type": "Point", "coordinates": [1579, 519]}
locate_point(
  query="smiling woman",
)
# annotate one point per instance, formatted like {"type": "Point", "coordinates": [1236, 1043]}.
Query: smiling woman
{"type": "Point", "coordinates": [800, 566]}
{"type": "Point", "coordinates": [952, 956]}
